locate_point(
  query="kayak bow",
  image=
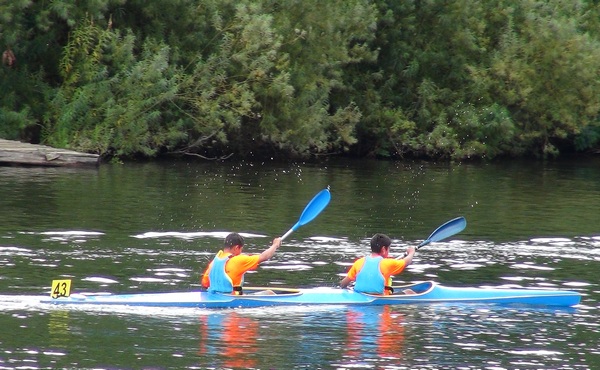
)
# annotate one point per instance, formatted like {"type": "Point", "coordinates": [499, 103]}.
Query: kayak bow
{"type": "Point", "coordinates": [427, 292]}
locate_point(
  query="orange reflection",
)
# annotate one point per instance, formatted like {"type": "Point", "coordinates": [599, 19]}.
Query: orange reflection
{"type": "Point", "coordinates": [231, 337]}
{"type": "Point", "coordinates": [374, 330]}
{"type": "Point", "coordinates": [355, 327]}
{"type": "Point", "coordinates": [391, 328]}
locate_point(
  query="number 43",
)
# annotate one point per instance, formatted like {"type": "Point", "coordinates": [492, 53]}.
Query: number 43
{"type": "Point", "coordinates": [60, 288]}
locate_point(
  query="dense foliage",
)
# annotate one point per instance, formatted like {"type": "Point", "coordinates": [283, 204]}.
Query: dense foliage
{"type": "Point", "coordinates": [426, 78]}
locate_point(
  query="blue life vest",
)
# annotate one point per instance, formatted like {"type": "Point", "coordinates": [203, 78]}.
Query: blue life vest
{"type": "Point", "coordinates": [370, 279]}
{"type": "Point", "coordinates": [220, 282]}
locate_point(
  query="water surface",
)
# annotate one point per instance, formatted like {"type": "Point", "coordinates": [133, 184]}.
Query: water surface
{"type": "Point", "coordinates": [154, 226]}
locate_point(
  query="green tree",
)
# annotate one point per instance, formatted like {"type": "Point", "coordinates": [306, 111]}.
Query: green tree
{"type": "Point", "coordinates": [427, 78]}
{"type": "Point", "coordinates": [35, 33]}
{"type": "Point", "coordinates": [545, 71]}
{"type": "Point", "coordinates": [474, 79]}
{"type": "Point", "coordinates": [113, 102]}
{"type": "Point", "coordinates": [268, 82]}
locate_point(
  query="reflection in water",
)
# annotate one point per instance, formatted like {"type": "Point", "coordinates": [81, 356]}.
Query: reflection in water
{"type": "Point", "coordinates": [58, 329]}
{"type": "Point", "coordinates": [230, 339]}
{"type": "Point", "coordinates": [374, 330]}
{"type": "Point", "coordinates": [347, 336]}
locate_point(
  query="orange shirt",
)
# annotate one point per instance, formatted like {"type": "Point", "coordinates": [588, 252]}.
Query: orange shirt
{"type": "Point", "coordinates": [388, 267]}
{"type": "Point", "coordinates": [235, 267]}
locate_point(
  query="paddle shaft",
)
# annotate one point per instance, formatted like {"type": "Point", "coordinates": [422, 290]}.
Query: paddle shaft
{"type": "Point", "coordinates": [287, 234]}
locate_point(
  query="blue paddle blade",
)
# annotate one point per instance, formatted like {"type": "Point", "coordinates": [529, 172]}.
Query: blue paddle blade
{"type": "Point", "coordinates": [448, 229]}
{"type": "Point", "coordinates": [312, 210]}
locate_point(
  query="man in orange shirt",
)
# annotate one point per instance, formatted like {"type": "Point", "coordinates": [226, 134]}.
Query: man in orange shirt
{"type": "Point", "coordinates": [372, 274]}
{"type": "Point", "coordinates": [225, 273]}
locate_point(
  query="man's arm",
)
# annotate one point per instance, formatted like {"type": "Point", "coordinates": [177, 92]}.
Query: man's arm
{"type": "Point", "coordinates": [270, 252]}
{"type": "Point", "coordinates": [410, 253]}
{"type": "Point", "coordinates": [205, 282]}
{"type": "Point", "coordinates": [351, 276]}
{"type": "Point", "coordinates": [394, 266]}
{"type": "Point", "coordinates": [345, 282]}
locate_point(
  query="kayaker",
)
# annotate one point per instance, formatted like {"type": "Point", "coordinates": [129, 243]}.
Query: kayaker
{"type": "Point", "coordinates": [225, 273]}
{"type": "Point", "coordinates": [372, 274]}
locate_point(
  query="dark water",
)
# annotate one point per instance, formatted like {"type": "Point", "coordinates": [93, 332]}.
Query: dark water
{"type": "Point", "coordinates": [154, 227]}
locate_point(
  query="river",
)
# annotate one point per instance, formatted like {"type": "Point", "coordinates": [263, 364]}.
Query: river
{"type": "Point", "coordinates": [147, 227]}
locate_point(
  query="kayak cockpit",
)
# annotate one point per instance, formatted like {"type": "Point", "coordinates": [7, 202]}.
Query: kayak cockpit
{"type": "Point", "coordinates": [263, 291]}
{"type": "Point", "coordinates": [419, 288]}
{"type": "Point", "coordinates": [410, 289]}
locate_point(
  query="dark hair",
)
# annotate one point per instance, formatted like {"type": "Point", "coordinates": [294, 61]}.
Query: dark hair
{"type": "Point", "coordinates": [379, 241]}
{"type": "Point", "coordinates": [233, 239]}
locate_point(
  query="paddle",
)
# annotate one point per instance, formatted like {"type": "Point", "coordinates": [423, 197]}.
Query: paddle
{"type": "Point", "coordinates": [446, 230]}
{"type": "Point", "coordinates": [312, 210]}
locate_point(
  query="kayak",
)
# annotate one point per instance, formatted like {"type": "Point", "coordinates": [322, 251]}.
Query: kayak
{"type": "Point", "coordinates": [427, 292]}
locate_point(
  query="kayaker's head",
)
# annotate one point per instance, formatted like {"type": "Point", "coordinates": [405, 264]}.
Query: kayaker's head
{"type": "Point", "coordinates": [234, 243]}
{"type": "Point", "coordinates": [380, 244]}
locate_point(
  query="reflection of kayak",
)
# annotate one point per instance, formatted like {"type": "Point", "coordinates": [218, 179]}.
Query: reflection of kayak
{"type": "Point", "coordinates": [425, 292]}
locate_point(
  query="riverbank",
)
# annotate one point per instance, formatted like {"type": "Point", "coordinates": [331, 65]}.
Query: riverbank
{"type": "Point", "coordinates": [16, 153]}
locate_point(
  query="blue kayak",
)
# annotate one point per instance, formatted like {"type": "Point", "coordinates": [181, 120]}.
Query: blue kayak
{"type": "Point", "coordinates": [428, 292]}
